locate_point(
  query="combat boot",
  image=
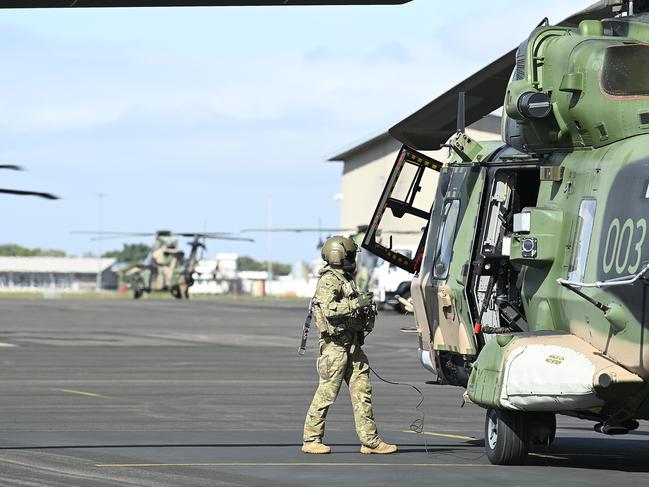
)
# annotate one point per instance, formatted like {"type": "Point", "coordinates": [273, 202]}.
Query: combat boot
{"type": "Point", "coordinates": [315, 448]}
{"type": "Point", "coordinates": [381, 449]}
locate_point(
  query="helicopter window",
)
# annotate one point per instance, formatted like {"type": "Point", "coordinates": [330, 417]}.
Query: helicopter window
{"type": "Point", "coordinates": [624, 72]}
{"type": "Point", "coordinates": [584, 230]}
{"type": "Point", "coordinates": [403, 213]}
{"type": "Point", "coordinates": [446, 237]}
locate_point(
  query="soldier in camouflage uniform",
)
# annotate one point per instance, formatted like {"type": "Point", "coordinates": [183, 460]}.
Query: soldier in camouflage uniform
{"type": "Point", "coordinates": [343, 315]}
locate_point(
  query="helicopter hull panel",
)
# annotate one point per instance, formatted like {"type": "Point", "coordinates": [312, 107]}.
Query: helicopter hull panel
{"type": "Point", "coordinates": [546, 371]}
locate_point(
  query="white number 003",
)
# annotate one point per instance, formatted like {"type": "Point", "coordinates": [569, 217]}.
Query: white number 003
{"type": "Point", "coordinates": [624, 245]}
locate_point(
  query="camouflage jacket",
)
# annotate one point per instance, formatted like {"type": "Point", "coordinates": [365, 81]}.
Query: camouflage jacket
{"type": "Point", "coordinates": [336, 301]}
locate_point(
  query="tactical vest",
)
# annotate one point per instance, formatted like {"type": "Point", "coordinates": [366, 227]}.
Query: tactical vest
{"type": "Point", "coordinates": [350, 324]}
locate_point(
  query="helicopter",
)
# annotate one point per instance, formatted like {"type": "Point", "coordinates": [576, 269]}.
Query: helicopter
{"type": "Point", "coordinates": [165, 268]}
{"type": "Point", "coordinates": [531, 279]}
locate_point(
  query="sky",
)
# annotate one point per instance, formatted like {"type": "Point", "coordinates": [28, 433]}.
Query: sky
{"type": "Point", "coordinates": [195, 119]}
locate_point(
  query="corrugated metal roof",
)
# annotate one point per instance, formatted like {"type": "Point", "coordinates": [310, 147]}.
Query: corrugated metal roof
{"type": "Point", "coordinates": [490, 123]}
{"type": "Point", "coordinates": [80, 265]}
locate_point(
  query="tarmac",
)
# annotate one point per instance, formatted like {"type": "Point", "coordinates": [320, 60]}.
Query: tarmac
{"type": "Point", "coordinates": [212, 393]}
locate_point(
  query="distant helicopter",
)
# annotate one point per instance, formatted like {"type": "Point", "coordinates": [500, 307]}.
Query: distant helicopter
{"type": "Point", "coordinates": [165, 268]}
{"type": "Point", "coordinates": [531, 284]}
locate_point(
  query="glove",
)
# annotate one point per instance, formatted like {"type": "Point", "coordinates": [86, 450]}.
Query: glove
{"type": "Point", "coordinates": [365, 299]}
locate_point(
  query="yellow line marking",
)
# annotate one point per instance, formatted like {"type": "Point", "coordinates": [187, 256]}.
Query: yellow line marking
{"type": "Point", "coordinates": [287, 464]}
{"type": "Point", "coordinates": [443, 435]}
{"type": "Point", "coordinates": [81, 393]}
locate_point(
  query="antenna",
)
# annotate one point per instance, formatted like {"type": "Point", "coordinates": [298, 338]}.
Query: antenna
{"type": "Point", "coordinates": [460, 113]}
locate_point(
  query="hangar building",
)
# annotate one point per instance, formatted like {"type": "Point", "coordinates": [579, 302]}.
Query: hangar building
{"type": "Point", "coordinates": [367, 165]}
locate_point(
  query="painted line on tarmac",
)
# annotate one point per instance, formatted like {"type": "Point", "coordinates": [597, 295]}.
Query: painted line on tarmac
{"type": "Point", "coordinates": [442, 435]}
{"type": "Point", "coordinates": [81, 393]}
{"type": "Point", "coordinates": [7, 345]}
{"type": "Point", "coordinates": [287, 464]}
{"type": "Point", "coordinates": [551, 457]}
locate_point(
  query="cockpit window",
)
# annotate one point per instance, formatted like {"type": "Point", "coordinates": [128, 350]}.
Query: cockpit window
{"type": "Point", "coordinates": [445, 238]}
{"type": "Point", "coordinates": [624, 72]}
{"type": "Point", "coordinates": [584, 231]}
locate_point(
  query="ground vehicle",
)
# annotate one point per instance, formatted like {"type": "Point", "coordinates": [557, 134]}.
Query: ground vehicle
{"type": "Point", "coordinates": [389, 281]}
{"type": "Point", "coordinates": [545, 233]}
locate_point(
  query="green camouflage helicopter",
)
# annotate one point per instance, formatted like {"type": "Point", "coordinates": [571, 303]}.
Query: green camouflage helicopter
{"type": "Point", "coordinates": [531, 284]}
{"type": "Point", "coordinates": [165, 268]}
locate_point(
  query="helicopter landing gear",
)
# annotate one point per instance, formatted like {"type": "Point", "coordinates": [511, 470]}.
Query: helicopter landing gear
{"type": "Point", "coordinates": [138, 292]}
{"type": "Point", "coordinates": [404, 292]}
{"type": "Point", "coordinates": [542, 428]}
{"type": "Point", "coordinates": [506, 436]}
{"type": "Point", "coordinates": [175, 292]}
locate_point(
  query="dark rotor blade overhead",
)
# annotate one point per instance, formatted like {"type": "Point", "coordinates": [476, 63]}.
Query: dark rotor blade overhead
{"type": "Point", "coordinates": [11, 167]}
{"type": "Point", "coordinates": [188, 3]}
{"type": "Point", "coordinates": [29, 193]}
{"type": "Point", "coordinates": [433, 124]}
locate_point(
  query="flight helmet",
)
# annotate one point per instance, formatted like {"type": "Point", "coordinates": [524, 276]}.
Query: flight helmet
{"type": "Point", "coordinates": [339, 249]}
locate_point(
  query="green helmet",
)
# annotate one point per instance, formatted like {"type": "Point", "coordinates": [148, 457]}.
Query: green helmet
{"type": "Point", "coordinates": [337, 248]}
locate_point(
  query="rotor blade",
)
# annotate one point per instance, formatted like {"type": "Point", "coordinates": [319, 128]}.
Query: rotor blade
{"type": "Point", "coordinates": [115, 237]}
{"type": "Point", "coordinates": [432, 125]}
{"type": "Point", "coordinates": [188, 3]}
{"type": "Point", "coordinates": [326, 230]}
{"type": "Point", "coordinates": [226, 237]}
{"type": "Point", "coordinates": [19, 192]}
{"type": "Point", "coordinates": [113, 234]}
{"type": "Point", "coordinates": [200, 234]}
{"type": "Point", "coordinates": [298, 230]}
{"type": "Point", "coordinates": [12, 167]}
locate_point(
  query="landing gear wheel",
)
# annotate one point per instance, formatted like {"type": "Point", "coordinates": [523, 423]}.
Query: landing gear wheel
{"type": "Point", "coordinates": [137, 293]}
{"type": "Point", "coordinates": [175, 292]}
{"type": "Point", "coordinates": [506, 437]}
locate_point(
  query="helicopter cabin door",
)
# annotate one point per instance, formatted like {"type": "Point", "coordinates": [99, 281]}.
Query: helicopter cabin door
{"type": "Point", "coordinates": [447, 266]}
{"type": "Point", "coordinates": [400, 222]}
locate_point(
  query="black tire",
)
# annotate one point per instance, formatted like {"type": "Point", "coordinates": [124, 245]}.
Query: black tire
{"type": "Point", "coordinates": [137, 293]}
{"type": "Point", "coordinates": [175, 292]}
{"type": "Point", "coordinates": [506, 437]}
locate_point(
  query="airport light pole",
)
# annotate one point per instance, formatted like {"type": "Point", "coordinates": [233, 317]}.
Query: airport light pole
{"type": "Point", "coordinates": [270, 245]}
{"type": "Point", "coordinates": [99, 228]}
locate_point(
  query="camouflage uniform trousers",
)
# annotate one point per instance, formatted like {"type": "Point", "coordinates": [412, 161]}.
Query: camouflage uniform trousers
{"type": "Point", "coordinates": [335, 364]}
